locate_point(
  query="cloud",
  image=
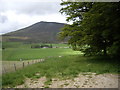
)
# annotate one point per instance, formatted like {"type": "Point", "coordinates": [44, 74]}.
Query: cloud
{"type": "Point", "coordinates": [3, 18]}
{"type": "Point", "coordinates": [30, 7]}
{"type": "Point", "coordinates": [17, 14]}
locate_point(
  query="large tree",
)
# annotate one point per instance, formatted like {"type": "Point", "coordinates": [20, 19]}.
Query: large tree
{"type": "Point", "coordinates": [95, 28]}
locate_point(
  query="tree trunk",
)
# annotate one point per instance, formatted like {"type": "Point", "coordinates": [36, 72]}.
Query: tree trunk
{"type": "Point", "coordinates": [105, 46]}
{"type": "Point", "coordinates": [105, 52]}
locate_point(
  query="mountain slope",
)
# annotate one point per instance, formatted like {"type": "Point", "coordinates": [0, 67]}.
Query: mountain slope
{"type": "Point", "coordinates": [38, 32]}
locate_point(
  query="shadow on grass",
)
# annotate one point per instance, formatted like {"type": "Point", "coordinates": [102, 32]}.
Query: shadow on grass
{"type": "Point", "coordinates": [103, 59]}
{"type": "Point", "coordinates": [100, 64]}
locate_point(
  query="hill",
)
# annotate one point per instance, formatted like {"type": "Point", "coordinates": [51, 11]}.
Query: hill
{"type": "Point", "coordinates": [45, 32]}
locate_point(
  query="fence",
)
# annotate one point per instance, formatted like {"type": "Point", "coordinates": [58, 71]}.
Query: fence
{"type": "Point", "coordinates": [10, 66]}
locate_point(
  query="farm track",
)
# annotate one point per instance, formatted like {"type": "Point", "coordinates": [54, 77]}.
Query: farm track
{"type": "Point", "coordinates": [81, 81]}
{"type": "Point", "coordinates": [11, 66]}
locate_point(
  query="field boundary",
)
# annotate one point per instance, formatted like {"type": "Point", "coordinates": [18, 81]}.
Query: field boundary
{"type": "Point", "coordinates": [11, 66]}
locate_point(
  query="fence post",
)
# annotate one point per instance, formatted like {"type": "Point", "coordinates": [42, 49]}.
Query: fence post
{"type": "Point", "coordinates": [28, 62]}
{"type": "Point", "coordinates": [15, 66]}
{"type": "Point", "coordinates": [4, 69]}
{"type": "Point", "coordinates": [34, 61]}
{"type": "Point", "coordinates": [23, 65]}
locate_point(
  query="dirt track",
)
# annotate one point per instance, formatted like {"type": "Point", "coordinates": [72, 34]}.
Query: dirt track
{"type": "Point", "coordinates": [81, 81]}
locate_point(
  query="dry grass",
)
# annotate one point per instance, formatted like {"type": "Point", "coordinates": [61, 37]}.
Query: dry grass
{"type": "Point", "coordinates": [9, 66]}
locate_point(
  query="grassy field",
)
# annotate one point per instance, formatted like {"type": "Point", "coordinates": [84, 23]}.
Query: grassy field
{"type": "Point", "coordinates": [61, 67]}
{"type": "Point", "coordinates": [17, 51]}
{"type": "Point", "coordinates": [28, 54]}
{"type": "Point", "coordinates": [59, 62]}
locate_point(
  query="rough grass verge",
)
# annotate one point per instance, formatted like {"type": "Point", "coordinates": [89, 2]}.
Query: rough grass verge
{"type": "Point", "coordinates": [61, 67]}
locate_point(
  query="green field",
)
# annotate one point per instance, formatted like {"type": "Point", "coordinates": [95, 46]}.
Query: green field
{"type": "Point", "coordinates": [59, 62]}
{"type": "Point", "coordinates": [17, 51]}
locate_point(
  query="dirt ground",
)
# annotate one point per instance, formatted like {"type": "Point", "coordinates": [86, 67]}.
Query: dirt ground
{"type": "Point", "coordinates": [89, 80]}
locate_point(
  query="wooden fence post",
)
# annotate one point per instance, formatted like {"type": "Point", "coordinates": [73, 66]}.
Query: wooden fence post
{"type": "Point", "coordinates": [28, 62]}
{"type": "Point", "coordinates": [23, 65]}
{"type": "Point", "coordinates": [4, 69]}
{"type": "Point", "coordinates": [15, 66]}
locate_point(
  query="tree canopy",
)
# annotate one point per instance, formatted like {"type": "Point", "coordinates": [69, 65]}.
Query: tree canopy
{"type": "Point", "coordinates": [95, 27]}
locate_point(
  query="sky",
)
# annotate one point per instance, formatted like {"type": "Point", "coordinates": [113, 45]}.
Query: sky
{"type": "Point", "coordinates": [17, 14]}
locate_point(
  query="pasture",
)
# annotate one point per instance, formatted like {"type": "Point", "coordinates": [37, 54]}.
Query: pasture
{"type": "Point", "coordinates": [59, 62]}
{"type": "Point", "coordinates": [14, 52]}
{"type": "Point", "coordinates": [11, 54]}
{"type": "Point", "coordinates": [60, 67]}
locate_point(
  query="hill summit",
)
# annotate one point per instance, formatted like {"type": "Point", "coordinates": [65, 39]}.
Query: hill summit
{"type": "Point", "coordinates": [45, 32]}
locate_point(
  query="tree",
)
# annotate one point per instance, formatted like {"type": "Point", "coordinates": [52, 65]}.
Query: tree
{"type": "Point", "coordinates": [95, 27]}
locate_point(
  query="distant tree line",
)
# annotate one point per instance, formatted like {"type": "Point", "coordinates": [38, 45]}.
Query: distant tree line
{"type": "Point", "coordinates": [95, 28]}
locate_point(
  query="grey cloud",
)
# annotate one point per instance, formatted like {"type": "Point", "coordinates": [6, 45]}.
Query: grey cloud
{"type": "Point", "coordinates": [10, 26]}
{"type": "Point", "coordinates": [3, 19]}
{"type": "Point", "coordinates": [31, 7]}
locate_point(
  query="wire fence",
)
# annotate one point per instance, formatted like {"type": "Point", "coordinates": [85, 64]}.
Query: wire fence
{"type": "Point", "coordinates": [10, 66]}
